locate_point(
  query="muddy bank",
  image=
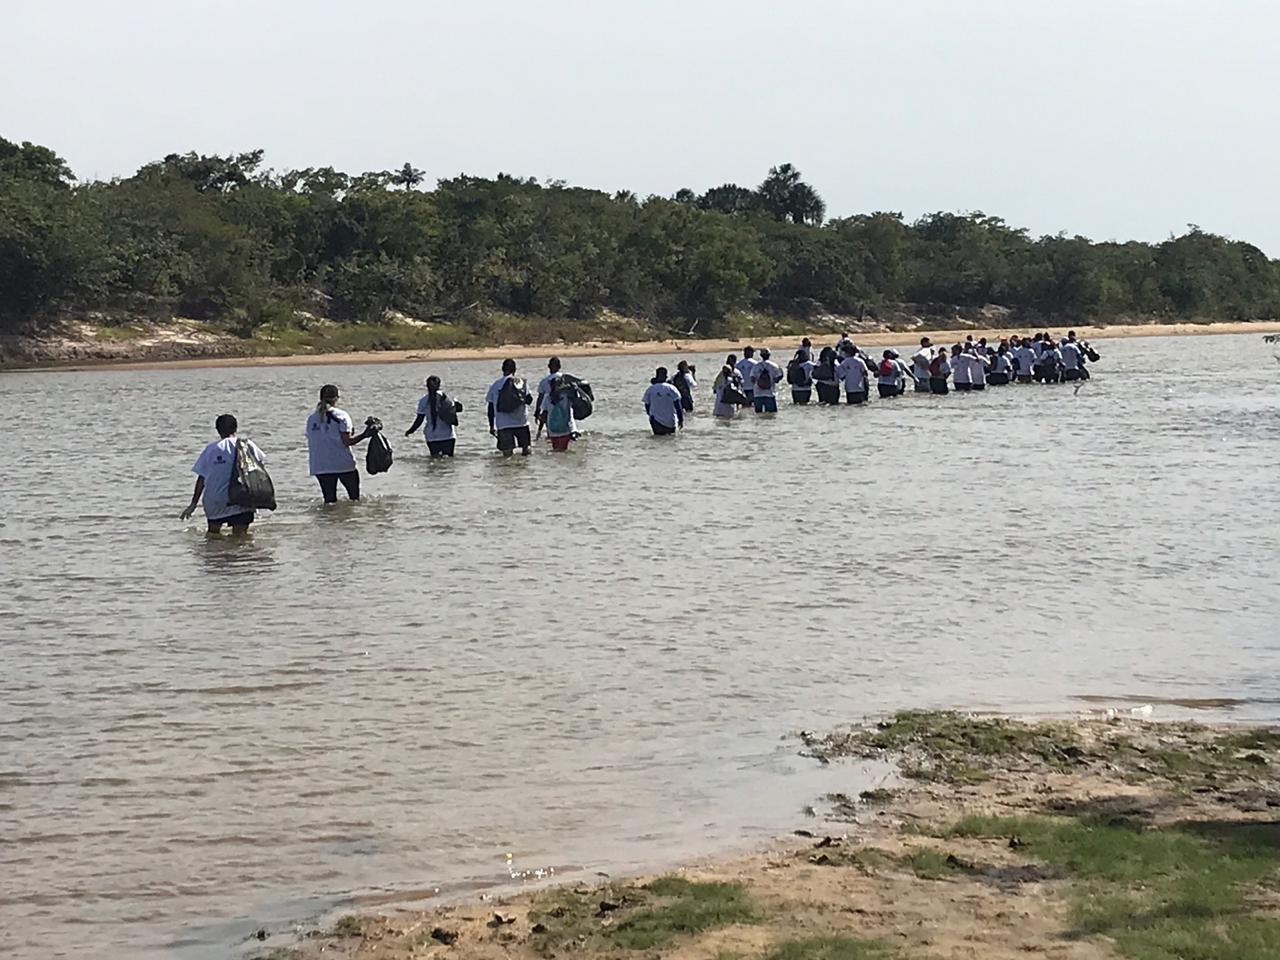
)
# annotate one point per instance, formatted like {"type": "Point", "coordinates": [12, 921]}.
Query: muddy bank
{"type": "Point", "coordinates": [189, 345]}
{"type": "Point", "coordinates": [1082, 839]}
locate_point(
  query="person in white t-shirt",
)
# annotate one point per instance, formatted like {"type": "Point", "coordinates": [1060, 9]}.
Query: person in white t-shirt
{"type": "Point", "coordinates": [960, 369]}
{"type": "Point", "coordinates": [746, 368]}
{"type": "Point", "coordinates": [683, 380]}
{"type": "Point", "coordinates": [542, 405]}
{"type": "Point", "coordinates": [977, 368]}
{"type": "Point", "coordinates": [213, 470]}
{"type": "Point", "coordinates": [662, 404]}
{"type": "Point", "coordinates": [853, 372]}
{"type": "Point", "coordinates": [1024, 355]}
{"type": "Point", "coordinates": [329, 439]}
{"type": "Point", "coordinates": [765, 376]}
{"type": "Point", "coordinates": [508, 409]}
{"type": "Point", "coordinates": [440, 414]}
{"type": "Point", "coordinates": [1070, 351]}
{"type": "Point", "coordinates": [800, 375]}
{"type": "Point", "coordinates": [920, 361]}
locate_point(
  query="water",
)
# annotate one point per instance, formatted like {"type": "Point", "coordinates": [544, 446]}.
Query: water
{"type": "Point", "coordinates": [590, 660]}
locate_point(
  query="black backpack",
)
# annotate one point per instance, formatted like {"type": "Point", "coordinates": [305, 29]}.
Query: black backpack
{"type": "Point", "coordinates": [250, 485]}
{"type": "Point", "coordinates": [581, 398]}
{"type": "Point", "coordinates": [797, 376]}
{"type": "Point", "coordinates": [446, 409]}
{"type": "Point", "coordinates": [511, 395]}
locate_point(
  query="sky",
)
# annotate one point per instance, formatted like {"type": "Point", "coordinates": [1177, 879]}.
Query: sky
{"type": "Point", "coordinates": [1114, 119]}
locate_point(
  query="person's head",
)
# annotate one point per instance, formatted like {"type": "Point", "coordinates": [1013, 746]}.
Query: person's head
{"type": "Point", "coordinates": [982, 341]}
{"type": "Point", "coordinates": [888, 355]}
{"type": "Point", "coordinates": [328, 397]}
{"type": "Point", "coordinates": [955, 349]}
{"type": "Point", "coordinates": [1071, 335]}
{"type": "Point", "coordinates": [806, 343]}
{"type": "Point", "coordinates": [800, 355]}
{"type": "Point", "coordinates": [554, 364]}
{"type": "Point", "coordinates": [508, 367]}
{"type": "Point", "coordinates": [764, 353]}
{"type": "Point", "coordinates": [660, 375]}
{"type": "Point", "coordinates": [225, 425]}
{"type": "Point", "coordinates": [727, 370]}
{"type": "Point", "coordinates": [432, 383]}
{"type": "Point", "coordinates": [682, 366]}
{"type": "Point", "coordinates": [969, 338]}
{"type": "Point", "coordinates": [926, 342]}
{"type": "Point", "coordinates": [748, 352]}
{"type": "Point", "coordinates": [731, 359]}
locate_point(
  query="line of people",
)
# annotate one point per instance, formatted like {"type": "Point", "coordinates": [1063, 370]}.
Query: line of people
{"type": "Point", "coordinates": [561, 401]}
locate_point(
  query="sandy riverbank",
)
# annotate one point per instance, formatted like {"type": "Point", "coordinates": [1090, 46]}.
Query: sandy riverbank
{"type": "Point", "coordinates": [649, 347]}
{"type": "Point", "coordinates": [1079, 840]}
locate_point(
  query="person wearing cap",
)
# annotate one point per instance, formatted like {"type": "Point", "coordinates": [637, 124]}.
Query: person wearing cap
{"type": "Point", "coordinates": [662, 404]}
{"type": "Point", "coordinates": [509, 426]}
{"type": "Point", "coordinates": [746, 368]}
{"type": "Point", "coordinates": [920, 362]}
{"type": "Point", "coordinates": [440, 414]}
{"type": "Point", "coordinates": [764, 384]}
{"type": "Point", "coordinates": [329, 442]}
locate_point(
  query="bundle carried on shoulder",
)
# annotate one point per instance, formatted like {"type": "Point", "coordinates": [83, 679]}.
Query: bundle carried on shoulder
{"type": "Point", "coordinates": [581, 398]}
{"type": "Point", "coordinates": [447, 409]}
{"type": "Point", "coordinates": [731, 393]}
{"type": "Point", "coordinates": [250, 485]}
{"type": "Point", "coordinates": [512, 395]}
{"type": "Point", "coordinates": [377, 458]}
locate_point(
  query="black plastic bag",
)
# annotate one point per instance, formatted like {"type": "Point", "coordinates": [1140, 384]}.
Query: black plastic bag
{"type": "Point", "coordinates": [377, 458]}
{"type": "Point", "coordinates": [250, 485]}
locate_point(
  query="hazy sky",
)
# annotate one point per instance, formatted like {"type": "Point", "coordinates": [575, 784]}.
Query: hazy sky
{"type": "Point", "coordinates": [1110, 118]}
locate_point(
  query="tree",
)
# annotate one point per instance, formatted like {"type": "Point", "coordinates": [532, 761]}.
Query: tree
{"type": "Point", "coordinates": [30, 162]}
{"type": "Point", "coordinates": [729, 198]}
{"type": "Point", "coordinates": [407, 176]}
{"type": "Point", "coordinates": [784, 196]}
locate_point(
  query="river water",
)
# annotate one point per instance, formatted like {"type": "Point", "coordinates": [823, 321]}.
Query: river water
{"type": "Point", "coordinates": [589, 660]}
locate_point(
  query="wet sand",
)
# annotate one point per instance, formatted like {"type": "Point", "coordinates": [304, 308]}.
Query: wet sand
{"type": "Point", "coordinates": [990, 848]}
{"type": "Point", "coordinates": [781, 345]}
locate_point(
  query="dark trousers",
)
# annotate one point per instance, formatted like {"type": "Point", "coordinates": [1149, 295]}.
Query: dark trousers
{"type": "Point", "coordinates": [859, 397]}
{"type": "Point", "coordinates": [661, 429]}
{"type": "Point", "coordinates": [937, 384]}
{"type": "Point", "coordinates": [441, 448]}
{"type": "Point", "coordinates": [801, 396]}
{"type": "Point", "coordinates": [329, 485]}
{"type": "Point", "coordinates": [828, 392]}
{"type": "Point", "coordinates": [887, 390]}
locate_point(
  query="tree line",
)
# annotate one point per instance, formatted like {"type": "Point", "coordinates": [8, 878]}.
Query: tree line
{"type": "Point", "coordinates": [223, 239]}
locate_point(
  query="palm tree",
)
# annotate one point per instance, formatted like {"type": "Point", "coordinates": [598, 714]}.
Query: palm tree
{"type": "Point", "coordinates": [786, 197]}
{"type": "Point", "coordinates": [407, 176]}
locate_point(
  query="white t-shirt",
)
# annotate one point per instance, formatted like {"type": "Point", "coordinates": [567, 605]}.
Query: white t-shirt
{"type": "Point", "coordinates": [977, 369]}
{"type": "Point", "coordinates": [1002, 363]}
{"type": "Point", "coordinates": [325, 448]}
{"type": "Point", "coordinates": [1026, 360]}
{"type": "Point", "coordinates": [852, 372]}
{"type": "Point", "coordinates": [1051, 355]}
{"type": "Point", "coordinates": [1070, 355]}
{"type": "Point", "coordinates": [960, 369]}
{"type": "Point", "coordinates": [746, 368]}
{"type": "Point", "coordinates": [775, 374]}
{"type": "Point", "coordinates": [662, 400]}
{"type": "Point", "coordinates": [443, 430]}
{"type": "Point", "coordinates": [920, 361]}
{"type": "Point", "coordinates": [215, 463]}
{"type": "Point", "coordinates": [503, 420]}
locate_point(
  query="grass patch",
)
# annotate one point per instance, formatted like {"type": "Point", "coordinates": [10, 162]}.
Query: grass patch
{"type": "Point", "coordinates": [684, 908]}
{"type": "Point", "coordinates": [877, 796]}
{"type": "Point", "coordinates": [348, 926]}
{"type": "Point", "coordinates": [928, 863]}
{"type": "Point", "coordinates": [1180, 893]}
{"type": "Point", "coordinates": [643, 918]}
{"type": "Point", "coordinates": [830, 948]}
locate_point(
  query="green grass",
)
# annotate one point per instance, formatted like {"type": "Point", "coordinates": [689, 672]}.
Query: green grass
{"type": "Point", "coordinates": [830, 948]}
{"type": "Point", "coordinates": [349, 926]}
{"type": "Point", "coordinates": [928, 863]}
{"type": "Point", "coordinates": [647, 917]}
{"type": "Point", "coordinates": [1180, 893]}
{"type": "Point", "coordinates": [685, 908]}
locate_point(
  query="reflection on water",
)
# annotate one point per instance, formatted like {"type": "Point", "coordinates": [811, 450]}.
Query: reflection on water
{"type": "Point", "coordinates": [587, 660]}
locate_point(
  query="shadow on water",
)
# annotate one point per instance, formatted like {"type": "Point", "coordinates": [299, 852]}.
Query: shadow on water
{"type": "Point", "coordinates": [226, 555]}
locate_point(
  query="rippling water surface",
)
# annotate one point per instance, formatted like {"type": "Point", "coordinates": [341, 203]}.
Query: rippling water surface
{"type": "Point", "coordinates": [586, 660]}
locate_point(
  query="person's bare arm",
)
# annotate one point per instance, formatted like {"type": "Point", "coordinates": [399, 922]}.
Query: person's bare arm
{"type": "Point", "coordinates": [195, 499]}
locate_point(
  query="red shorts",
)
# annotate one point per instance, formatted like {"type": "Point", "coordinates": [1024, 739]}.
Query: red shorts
{"type": "Point", "coordinates": [560, 443]}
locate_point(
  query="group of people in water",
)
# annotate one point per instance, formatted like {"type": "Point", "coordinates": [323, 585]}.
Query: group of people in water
{"type": "Point", "coordinates": [560, 401]}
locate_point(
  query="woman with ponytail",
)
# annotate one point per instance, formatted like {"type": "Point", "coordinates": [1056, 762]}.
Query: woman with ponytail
{"type": "Point", "coordinates": [329, 441]}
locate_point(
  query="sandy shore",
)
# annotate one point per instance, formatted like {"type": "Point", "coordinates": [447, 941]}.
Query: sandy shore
{"type": "Point", "coordinates": [649, 347]}
{"type": "Point", "coordinates": [1080, 840]}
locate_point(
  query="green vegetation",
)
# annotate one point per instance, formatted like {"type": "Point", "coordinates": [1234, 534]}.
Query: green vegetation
{"type": "Point", "coordinates": [1193, 891]}
{"type": "Point", "coordinates": [929, 864]}
{"type": "Point", "coordinates": [641, 918]}
{"type": "Point", "coordinates": [831, 948]}
{"type": "Point", "coordinates": [222, 239]}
